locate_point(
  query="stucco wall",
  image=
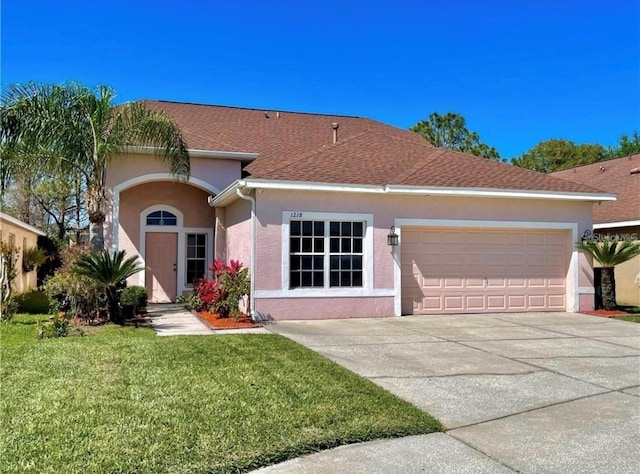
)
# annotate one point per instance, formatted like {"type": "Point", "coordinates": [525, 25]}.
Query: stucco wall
{"type": "Point", "coordinates": [217, 172]}
{"type": "Point", "coordinates": [237, 226]}
{"type": "Point", "coordinates": [24, 281]}
{"type": "Point", "coordinates": [272, 203]}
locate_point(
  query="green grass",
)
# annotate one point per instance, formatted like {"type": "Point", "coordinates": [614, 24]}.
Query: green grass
{"type": "Point", "coordinates": [124, 400]}
{"type": "Point", "coordinates": [630, 309]}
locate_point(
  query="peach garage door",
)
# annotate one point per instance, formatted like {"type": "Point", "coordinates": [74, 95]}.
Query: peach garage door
{"type": "Point", "coordinates": [161, 258]}
{"type": "Point", "coordinates": [447, 270]}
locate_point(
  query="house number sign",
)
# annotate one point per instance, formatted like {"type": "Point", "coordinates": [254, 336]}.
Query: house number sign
{"type": "Point", "coordinates": [296, 215]}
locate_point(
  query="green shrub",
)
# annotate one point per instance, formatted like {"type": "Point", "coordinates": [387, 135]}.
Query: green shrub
{"type": "Point", "coordinates": [34, 302]}
{"type": "Point", "coordinates": [133, 300]}
{"type": "Point", "coordinates": [58, 326]}
{"type": "Point", "coordinates": [71, 293]}
{"type": "Point", "coordinates": [31, 258]}
{"type": "Point", "coordinates": [190, 301]}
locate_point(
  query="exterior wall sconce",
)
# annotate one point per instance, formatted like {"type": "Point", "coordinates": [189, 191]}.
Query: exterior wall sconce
{"type": "Point", "coordinates": [392, 237]}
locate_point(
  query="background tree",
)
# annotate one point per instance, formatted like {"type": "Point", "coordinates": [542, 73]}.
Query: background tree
{"type": "Point", "coordinates": [557, 154]}
{"type": "Point", "coordinates": [450, 131]}
{"type": "Point", "coordinates": [609, 253]}
{"type": "Point", "coordinates": [627, 145]}
{"type": "Point", "coordinates": [70, 128]}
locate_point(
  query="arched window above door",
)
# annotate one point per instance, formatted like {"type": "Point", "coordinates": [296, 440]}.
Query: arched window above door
{"type": "Point", "coordinates": [162, 217]}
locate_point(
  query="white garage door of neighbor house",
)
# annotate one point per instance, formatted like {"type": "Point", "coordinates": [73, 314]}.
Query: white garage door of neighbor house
{"type": "Point", "coordinates": [452, 270]}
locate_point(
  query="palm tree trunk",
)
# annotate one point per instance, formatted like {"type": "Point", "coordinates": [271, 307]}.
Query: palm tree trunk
{"type": "Point", "coordinates": [96, 234]}
{"type": "Point", "coordinates": [115, 315]}
{"type": "Point", "coordinates": [608, 282]}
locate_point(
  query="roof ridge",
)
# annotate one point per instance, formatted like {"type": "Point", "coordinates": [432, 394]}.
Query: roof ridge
{"type": "Point", "coordinates": [253, 108]}
{"type": "Point", "coordinates": [597, 163]}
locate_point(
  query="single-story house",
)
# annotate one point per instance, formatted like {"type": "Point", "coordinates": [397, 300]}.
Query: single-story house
{"type": "Point", "coordinates": [23, 236]}
{"type": "Point", "coordinates": [620, 218]}
{"type": "Point", "coordinates": [341, 216]}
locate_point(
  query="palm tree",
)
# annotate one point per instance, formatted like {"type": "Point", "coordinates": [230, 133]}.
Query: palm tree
{"type": "Point", "coordinates": [110, 271]}
{"type": "Point", "coordinates": [71, 128]}
{"type": "Point", "coordinates": [609, 253]}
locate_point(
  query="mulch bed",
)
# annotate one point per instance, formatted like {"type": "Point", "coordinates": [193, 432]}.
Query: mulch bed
{"type": "Point", "coordinates": [215, 322]}
{"type": "Point", "coordinates": [606, 313]}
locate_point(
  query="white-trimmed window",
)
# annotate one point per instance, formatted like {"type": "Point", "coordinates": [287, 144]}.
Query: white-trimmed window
{"type": "Point", "coordinates": [327, 251]}
{"type": "Point", "coordinates": [196, 257]}
{"type": "Point", "coordinates": [162, 217]}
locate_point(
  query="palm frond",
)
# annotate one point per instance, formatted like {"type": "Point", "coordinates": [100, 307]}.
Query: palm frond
{"type": "Point", "coordinates": [610, 252]}
{"type": "Point", "coordinates": [106, 268]}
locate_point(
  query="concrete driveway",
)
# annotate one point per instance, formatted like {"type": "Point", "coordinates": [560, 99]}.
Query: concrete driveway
{"type": "Point", "coordinates": [535, 392]}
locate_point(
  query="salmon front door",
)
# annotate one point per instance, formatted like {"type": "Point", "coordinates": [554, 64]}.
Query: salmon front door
{"type": "Point", "coordinates": [161, 249]}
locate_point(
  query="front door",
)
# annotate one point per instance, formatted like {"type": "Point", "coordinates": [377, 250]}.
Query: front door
{"type": "Point", "coordinates": [161, 249]}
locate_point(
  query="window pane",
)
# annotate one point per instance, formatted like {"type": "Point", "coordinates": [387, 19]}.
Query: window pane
{"type": "Point", "coordinates": [318, 228]}
{"type": "Point", "coordinates": [307, 262]}
{"type": "Point", "coordinates": [306, 278]}
{"type": "Point", "coordinates": [318, 244]}
{"type": "Point", "coordinates": [294, 227]}
{"type": "Point", "coordinates": [346, 229]}
{"type": "Point", "coordinates": [334, 245]}
{"type": "Point", "coordinates": [334, 279]}
{"type": "Point", "coordinates": [358, 229]}
{"type": "Point", "coordinates": [191, 252]}
{"type": "Point", "coordinates": [201, 252]}
{"type": "Point", "coordinates": [157, 214]}
{"type": "Point", "coordinates": [191, 239]}
{"type": "Point", "coordinates": [357, 278]}
{"type": "Point", "coordinates": [294, 262]}
{"type": "Point", "coordinates": [306, 244]}
{"type": "Point", "coordinates": [318, 279]}
{"type": "Point", "coordinates": [345, 279]}
{"type": "Point", "coordinates": [334, 229]}
{"type": "Point", "coordinates": [335, 262]}
{"type": "Point", "coordinates": [195, 270]}
{"type": "Point", "coordinates": [153, 221]}
{"type": "Point", "coordinates": [318, 262]}
{"type": "Point", "coordinates": [168, 221]}
{"type": "Point", "coordinates": [201, 239]}
{"type": "Point", "coordinates": [357, 245]}
{"type": "Point", "coordinates": [345, 262]}
{"type": "Point", "coordinates": [356, 262]}
{"type": "Point", "coordinates": [346, 245]}
{"type": "Point", "coordinates": [295, 279]}
{"type": "Point", "coordinates": [306, 227]}
{"type": "Point", "coordinates": [295, 244]}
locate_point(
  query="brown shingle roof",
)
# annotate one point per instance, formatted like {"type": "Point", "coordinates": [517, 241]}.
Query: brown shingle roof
{"type": "Point", "coordinates": [612, 176]}
{"type": "Point", "coordinates": [295, 146]}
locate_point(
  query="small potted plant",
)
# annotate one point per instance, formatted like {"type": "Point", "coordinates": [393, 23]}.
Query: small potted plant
{"type": "Point", "coordinates": [32, 258]}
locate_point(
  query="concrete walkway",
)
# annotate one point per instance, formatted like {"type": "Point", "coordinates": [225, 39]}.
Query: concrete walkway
{"type": "Point", "coordinates": [545, 392]}
{"type": "Point", "coordinates": [174, 320]}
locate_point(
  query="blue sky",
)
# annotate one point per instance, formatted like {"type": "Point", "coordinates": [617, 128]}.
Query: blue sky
{"type": "Point", "coordinates": [519, 71]}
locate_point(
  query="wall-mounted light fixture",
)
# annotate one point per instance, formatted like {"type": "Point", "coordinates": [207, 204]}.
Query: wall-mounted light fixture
{"type": "Point", "coordinates": [392, 238]}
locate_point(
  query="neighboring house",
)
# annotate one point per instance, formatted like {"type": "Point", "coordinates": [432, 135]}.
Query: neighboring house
{"type": "Point", "coordinates": [23, 236]}
{"type": "Point", "coordinates": [311, 202]}
{"type": "Point", "coordinates": [619, 218]}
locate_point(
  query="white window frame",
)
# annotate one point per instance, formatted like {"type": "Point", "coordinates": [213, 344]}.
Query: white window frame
{"type": "Point", "coordinates": [186, 254]}
{"type": "Point", "coordinates": [367, 258]}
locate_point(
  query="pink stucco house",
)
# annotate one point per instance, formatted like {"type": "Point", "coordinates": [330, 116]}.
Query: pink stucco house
{"type": "Point", "coordinates": [312, 202]}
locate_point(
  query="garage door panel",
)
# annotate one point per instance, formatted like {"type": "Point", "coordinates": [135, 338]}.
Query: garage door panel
{"type": "Point", "coordinates": [479, 271]}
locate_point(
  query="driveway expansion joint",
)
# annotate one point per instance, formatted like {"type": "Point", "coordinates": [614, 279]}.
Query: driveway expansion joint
{"type": "Point", "coordinates": [470, 374]}
{"type": "Point", "coordinates": [475, 448]}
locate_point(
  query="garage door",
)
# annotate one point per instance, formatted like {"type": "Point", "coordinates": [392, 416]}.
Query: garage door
{"type": "Point", "coordinates": [447, 270]}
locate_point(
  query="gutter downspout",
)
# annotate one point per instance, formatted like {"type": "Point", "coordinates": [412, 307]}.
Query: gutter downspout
{"type": "Point", "coordinates": [252, 264]}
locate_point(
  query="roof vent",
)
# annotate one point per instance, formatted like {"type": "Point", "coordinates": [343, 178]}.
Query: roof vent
{"type": "Point", "coordinates": [635, 171]}
{"type": "Point", "coordinates": [266, 114]}
{"type": "Point", "coordinates": [335, 126]}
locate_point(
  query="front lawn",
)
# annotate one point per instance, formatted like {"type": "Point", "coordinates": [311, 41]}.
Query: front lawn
{"type": "Point", "coordinates": [125, 400]}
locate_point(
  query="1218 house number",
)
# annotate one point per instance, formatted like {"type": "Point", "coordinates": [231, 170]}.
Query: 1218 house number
{"type": "Point", "coordinates": [296, 215]}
